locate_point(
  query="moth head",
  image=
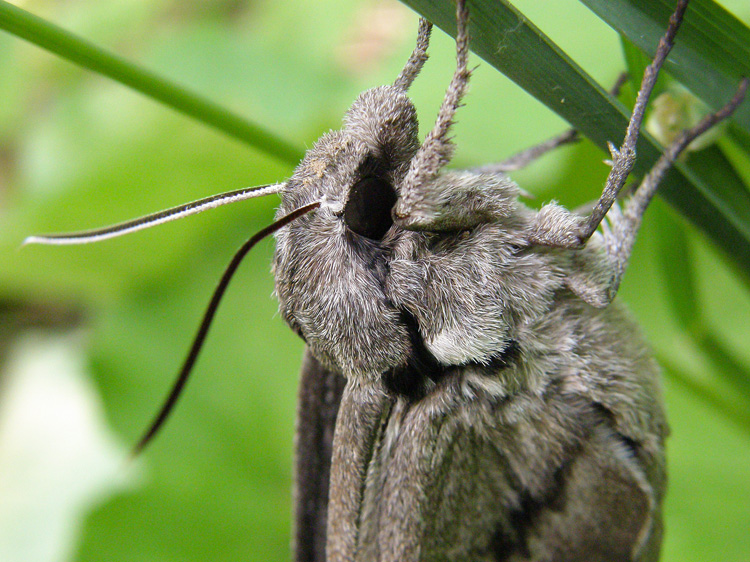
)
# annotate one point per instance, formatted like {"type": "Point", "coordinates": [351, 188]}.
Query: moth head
{"type": "Point", "coordinates": [331, 266]}
{"type": "Point", "coordinates": [384, 120]}
{"type": "Point", "coordinates": [335, 229]}
{"type": "Point", "coordinates": [356, 172]}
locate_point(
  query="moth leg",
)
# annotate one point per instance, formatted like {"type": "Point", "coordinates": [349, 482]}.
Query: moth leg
{"type": "Point", "coordinates": [529, 155]}
{"type": "Point", "coordinates": [624, 158]}
{"type": "Point", "coordinates": [557, 227]}
{"type": "Point", "coordinates": [621, 226]}
{"type": "Point", "coordinates": [598, 268]}
{"type": "Point", "coordinates": [437, 148]}
{"type": "Point", "coordinates": [460, 200]}
{"type": "Point", "coordinates": [556, 230]}
{"type": "Point", "coordinates": [418, 57]}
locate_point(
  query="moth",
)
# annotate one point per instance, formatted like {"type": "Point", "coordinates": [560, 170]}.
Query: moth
{"type": "Point", "coordinates": [469, 390]}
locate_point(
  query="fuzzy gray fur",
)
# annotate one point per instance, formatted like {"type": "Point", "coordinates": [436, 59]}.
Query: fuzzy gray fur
{"type": "Point", "coordinates": [543, 437]}
{"type": "Point", "coordinates": [568, 439]}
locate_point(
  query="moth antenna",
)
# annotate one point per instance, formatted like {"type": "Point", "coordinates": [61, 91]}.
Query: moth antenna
{"type": "Point", "coordinates": [418, 56]}
{"type": "Point", "coordinates": [208, 317]}
{"type": "Point", "coordinates": [142, 223]}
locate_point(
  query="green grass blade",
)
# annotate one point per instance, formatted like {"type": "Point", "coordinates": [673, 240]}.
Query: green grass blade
{"type": "Point", "coordinates": [679, 279]}
{"type": "Point", "coordinates": [507, 40]}
{"type": "Point", "coordinates": [724, 407]}
{"type": "Point", "coordinates": [724, 362]}
{"type": "Point", "coordinates": [684, 297]}
{"type": "Point", "coordinates": [22, 24]}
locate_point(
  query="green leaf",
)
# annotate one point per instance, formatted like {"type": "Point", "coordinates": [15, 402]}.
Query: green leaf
{"type": "Point", "coordinates": [506, 39]}
{"type": "Point", "coordinates": [732, 371]}
{"type": "Point", "coordinates": [684, 298]}
{"type": "Point", "coordinates": [22, 24]}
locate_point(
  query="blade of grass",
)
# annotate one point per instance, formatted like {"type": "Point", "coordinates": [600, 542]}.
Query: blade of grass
{"type": "Point", "coordinates": [507, 40]}
{"type": "Point", "coordinates": [679, 281]}
{"type": "Point", "coordinates": [709, 395]}
{"type": "Point", "coordinates": [27, 26]}
{"type": "Point", "coordinates": [717, 171]}
{"type": "Point", "coordinates": [684, 298]}
{"type": "Point", "coordinates": [736, 147]}
{"type": "Point", "coordinates": [724, 362]}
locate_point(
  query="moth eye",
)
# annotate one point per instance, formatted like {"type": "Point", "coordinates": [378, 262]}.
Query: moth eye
{"type": "Point", "coordinates": [368, 210]}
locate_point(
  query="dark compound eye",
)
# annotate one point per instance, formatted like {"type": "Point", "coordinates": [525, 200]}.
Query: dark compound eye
{"type": "Point", "coordinates": [368, 210]}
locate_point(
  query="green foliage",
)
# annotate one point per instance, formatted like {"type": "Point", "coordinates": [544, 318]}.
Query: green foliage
{"type": "Point", "coordinates": [80, 151]}
{"type": "Point", "coordinates": [48, 36]}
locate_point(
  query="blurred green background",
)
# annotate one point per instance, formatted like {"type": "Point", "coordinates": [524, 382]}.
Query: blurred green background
{"type": "Point", "coordinates": [80, 151]}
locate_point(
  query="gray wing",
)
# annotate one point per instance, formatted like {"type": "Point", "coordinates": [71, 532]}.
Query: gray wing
{"type": "Point", "coordinates": [318, 403]}
{"type": "Point", "coordinates": [465, 475]}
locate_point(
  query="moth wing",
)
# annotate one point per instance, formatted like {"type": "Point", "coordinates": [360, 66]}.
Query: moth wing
{"type": "Point", "coordinates": [604, 510]}
{"type": "Point", "coordinates": [320, 393]}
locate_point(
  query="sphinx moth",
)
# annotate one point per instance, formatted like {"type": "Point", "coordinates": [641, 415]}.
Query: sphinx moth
{"type": "Point", "coordinates": [469, 391]}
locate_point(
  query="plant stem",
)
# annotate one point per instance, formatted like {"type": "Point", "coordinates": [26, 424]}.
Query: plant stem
{"type": "Point", "coordinates": [27, 26]}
